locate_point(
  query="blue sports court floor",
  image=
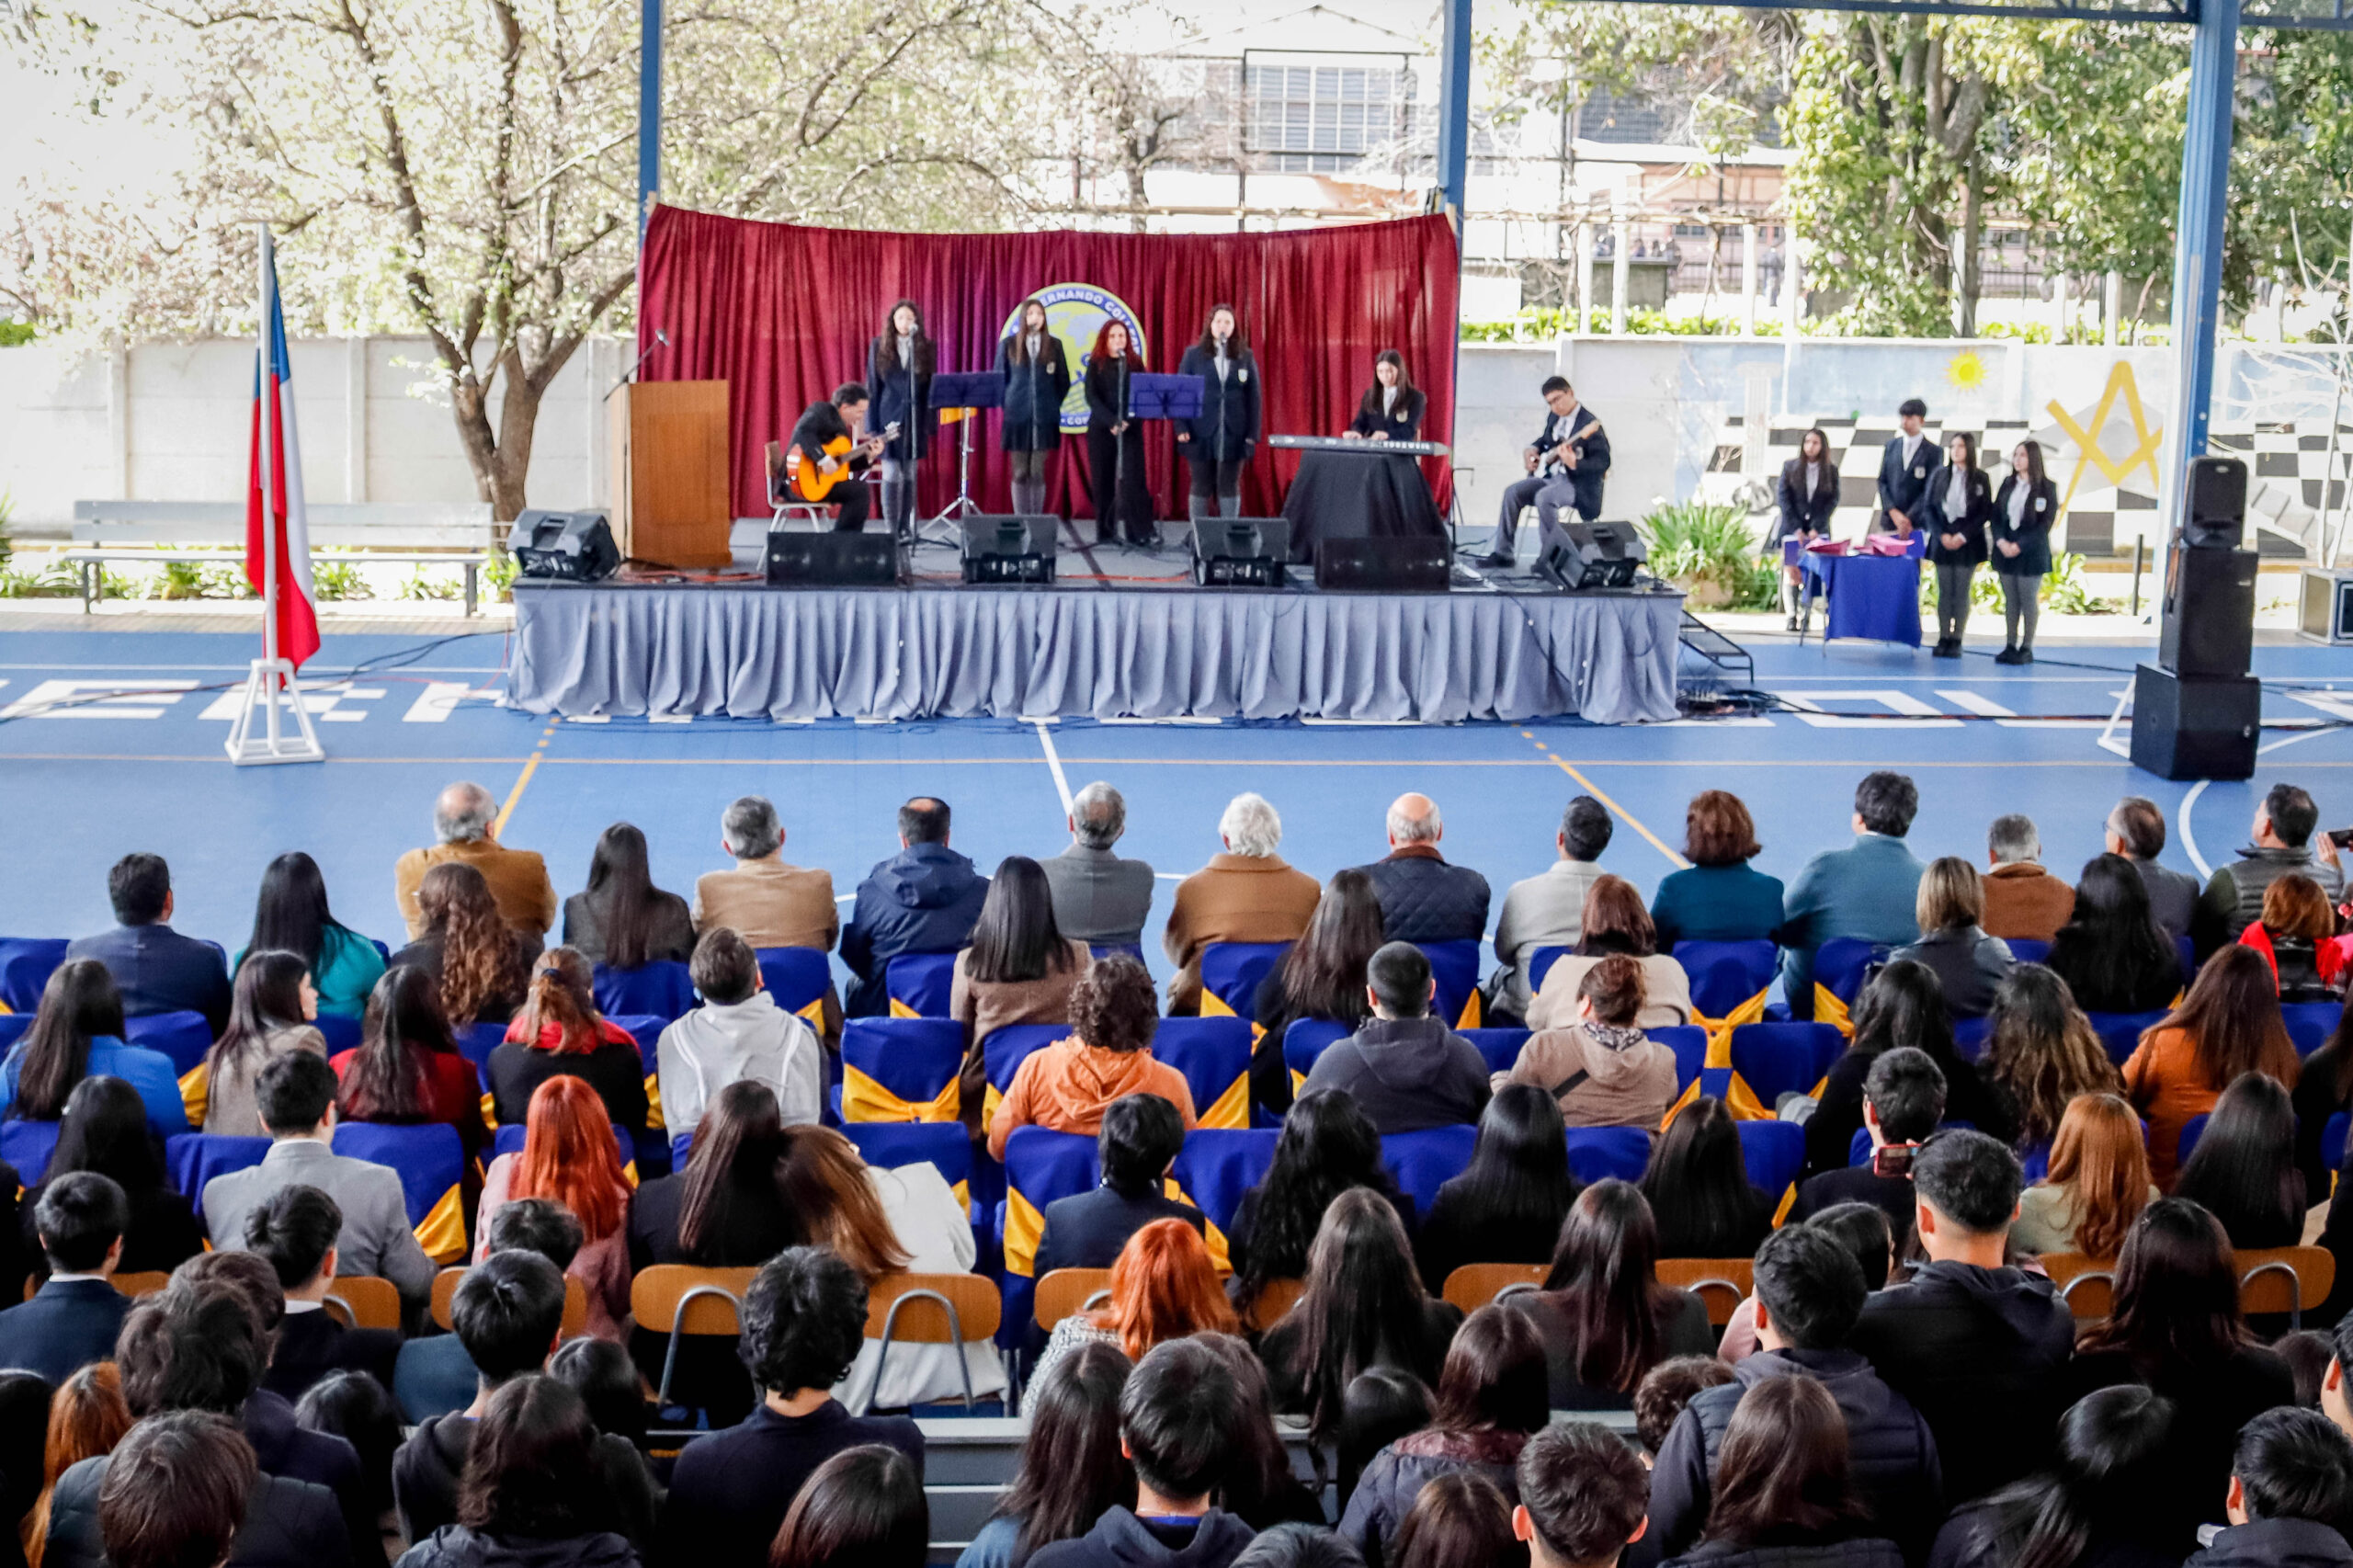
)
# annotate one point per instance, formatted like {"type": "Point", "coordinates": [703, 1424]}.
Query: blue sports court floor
{"type": "Point", "coordinates": [112, 742]}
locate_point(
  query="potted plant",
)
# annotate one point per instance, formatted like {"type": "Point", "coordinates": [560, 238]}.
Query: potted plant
{"type": "Point", "coordinates": [1708, 549]}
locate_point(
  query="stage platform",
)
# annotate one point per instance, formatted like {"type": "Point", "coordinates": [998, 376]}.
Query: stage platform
{"type": "Point", "coordinates": [1122, 634]}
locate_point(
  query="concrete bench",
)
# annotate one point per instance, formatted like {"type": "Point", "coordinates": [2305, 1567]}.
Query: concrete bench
{"type": "Point", "coordinates": [438, 534]}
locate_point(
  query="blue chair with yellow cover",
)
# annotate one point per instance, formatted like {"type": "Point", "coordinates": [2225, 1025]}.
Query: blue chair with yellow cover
{"type": "Point", "coordinates": [2309, 1022]}
{"type": "Point", "coordinates": [1454, 966]}
{"type": "Point", "coordinates": [1214, 1055]}
{"type": "Point", "coordinates": [1500, 1047]}
{"type": "Point", "coordinates": [2028, 949]}
{"type": "Point", "coordinates": [431, 1163]}
{"type": "Point", "coordinates": [476, 1041]}
{"type": "Point", "coordinates": [1729, 980]}
{"type": "Point", "coordinates": [1597, 1152]}
{"type": "Point", "coordinates": [798, 979]}
{"type": "Point", "coordinates": [2121, 1032]}
{"type": "Point", "coordinates": [1230, 975]}
{"type": "Point", "coordinates": [901, 1069]}
{"type": "Point", "coordinates": [183, 1036]}
{"type": "Point", "coordinates": [1690, 1043]}
{"type": "Point", "coordinates": [191, 1159]}
{"type": "Point", "coordinates": [1838, 967]}
{"type": "Point", "coordinates": [943, 1145]}
{"type": "Point", "coordinates": [1304, 1040]}
{"type": "Point", "coordinates": [1214, 1168]}
{"type": "Point", "coordinates": [1540, 964]}
{"type": "Point", "coordinates": [1774, 1153]}
{"type": "Point", "coordinates": [1773, 1060]}
{"type": "Point", "coordinates": [1003, 1051]}
{"type": "Point", "coordinates": [662, 988]}
{"type": "Point", "coordinates": [28, 1146]}
{"type": "Point", "coordinates": [919, 984]}
{"type": "Point", "coordinates": [1422, 1162]}
{"type": "Point", "coordinates": [1041, 1166]}
{"type": "Point", "coordinates": [26, 964]}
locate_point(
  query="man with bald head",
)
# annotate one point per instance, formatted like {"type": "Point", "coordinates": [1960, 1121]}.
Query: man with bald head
{"type": "Point", "coordinates": [1422, 899]}
{"type": "Point", "coordinates": [465, 826]}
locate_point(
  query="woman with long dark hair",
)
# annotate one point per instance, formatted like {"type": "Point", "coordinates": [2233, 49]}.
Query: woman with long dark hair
{"type": "Point", "coordinates": [1363, 1307]}
{"type": "Point", "coordinates": [1219, 442]}
{"type": "Point", "coordinates": [405, 1068]}
{"type": "Point", "coordinates": [898, 365]}
{"type": "Point", "coordinates": [2111, 952]}
{"type": "Point", "coordinates": [1806, 495]}
{"type": "Point", "coordinates": [2244, 1170]}
{"type": "Point", "coordinates": [623, 920]}
{"type": "Point", "coordinates": [1072, 1468]}
{"type": "Point", "coordinates": [2229, 1023]}
{"type": "Point", "coordinates": [1019, 969]}
{"type": "Point", "coordinates": [1508, 1203]}
{"type": "Point", "coordinates": [1115, 440]}
{"type": "Point", "coordinates": [270, 1009]}
{"type": "Point", "coordinates": [291, 916]}
{"type": "Point", "coordinates": [559, 1032]}
{"type": "Point", "coordinates": [1162, 1287]}
{"type": "Point", "coordinates": [862, 1508]}
{"type": "Point", "coordinates": [2097, 1186]}
{"type": "Point", "coordinates": [570, 1155]}
{"type": "Point", "coordinates": [2323, 1088]}
{"type": "Point", "coordinates": [2175, 1328]}
{"type": "Point", "coordinates": [1327, 1146]}
{"type": "Point", "coordinates": [1903, 1004]}
{"type": "Point", "coordinates": [1460, 1520]}
{"type": "Point", "coordinates": [2040, 1052]}
{"type": "Point", "coordinates": [1602, 1313]}
{"type": "Point", "coordinates": [105, 1131]}
{"type": "Point", "coordinates": [1391, 409]}
{"type": "Point", "coordinates": [1322, 977]}
{"type": "Point", "coordinates": [2020, 528]}
{"type": "Point", "coordinates": [1490, 1402]}
{"type": "Point", "coordinates": [1953, 514]}
{"type": "Point", "coordinates": [1259, 1487]}
{"type": "Point", "coordinates": [1784, 1490]}
{"type": "Point", "coordinates": [2090, 1505]}
{"type": "Point", "coordinates": [1697, 1186]}
{"type": "Point", "coordinates": [77, 1034]}
{"type": "Point", "coordinates": [481, 965]}
{"type": "Point", "coordinates": [531, 1490]}
{"type": "Point", "coordinates": [1036, 380]}
{"type": "Point", "coordinates": [1615, 922]}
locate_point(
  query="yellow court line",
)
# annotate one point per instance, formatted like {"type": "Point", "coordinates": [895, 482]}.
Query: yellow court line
{"type": "Point", "coordinates": [1597, 793]}
{"type": "Point", "coordinates": [523, 779]}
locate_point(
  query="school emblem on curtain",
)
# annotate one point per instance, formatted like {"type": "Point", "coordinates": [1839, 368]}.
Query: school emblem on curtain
{"type": "Point", "coordinates": [1075, 313]}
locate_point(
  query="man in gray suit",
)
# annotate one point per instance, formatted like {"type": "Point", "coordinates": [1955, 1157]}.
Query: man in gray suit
{"type": "Point", "coordinates": [2136, 830]}
{"type": "Point", "coordinates": [296, 1097]}
{"type": "Point", "coordinates": [1098, 897]}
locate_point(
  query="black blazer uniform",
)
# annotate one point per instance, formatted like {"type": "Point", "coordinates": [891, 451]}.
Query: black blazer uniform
{"type": "Point", "coordinates": [2033, 532]}
{"type": "Point", "coordinates": [1033, 396]}
{"type": "Point", "coordinates": [1936, 519]}
{"type": "Point", "coordinates": [1901, 484]}
{"type": "Point", "coordinates": [1402, 423]}
{"type": "Point", "coordinates": [1593, 457]}
{"type": "Point", "coordinates": [1227, 430]}
{"type": "Point", "coordinates": [902, 396]}
{"type": "Point", "coordinates": [1801, 513]}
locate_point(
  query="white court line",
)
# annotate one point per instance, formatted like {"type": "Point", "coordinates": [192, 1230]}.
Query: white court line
{"type": "Point", "coordinates": [2190, 839]}
{"type": "Point", "coordinates": [1053, 761]}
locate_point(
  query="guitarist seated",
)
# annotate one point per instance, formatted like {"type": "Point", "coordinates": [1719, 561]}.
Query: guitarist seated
{"type": "Point", "coordinates": [827, 453]}
{"type": "Point", "coordinates": [1565, 463]}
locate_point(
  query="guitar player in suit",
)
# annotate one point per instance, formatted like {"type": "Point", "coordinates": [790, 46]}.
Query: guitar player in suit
{"type": "Point", "coordinates": [1565, 464]}
{"type": "Point", "coordinates": [834, 422]}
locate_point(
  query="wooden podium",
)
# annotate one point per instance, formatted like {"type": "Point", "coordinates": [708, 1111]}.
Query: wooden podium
{"type": "Point", "coordinates": [670, 479]}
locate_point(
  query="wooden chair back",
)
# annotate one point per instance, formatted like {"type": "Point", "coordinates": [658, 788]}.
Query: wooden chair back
{"type": "Point", "coordinates": [1721, 1283]}
{"type": "Point", "coordinates": [1473, 1285]}
{"type": "Point", "coordinates": [1066, 1292]}
{"type": "Point", "coordinates": [656, 1294]}
{"type": "Point", "coordinates": [2285, 1279]}
{"type": "Point", "coordinates": [1276, 1300]}
{"type": "Point", "coordinates": [978, 1306]}
{"type": "Point", "coordinates": [131, 1285]}
{"type": "Point", "coordinates": [2086, 1284]}
{"type": "Point", "coordinates": [362, 1301]}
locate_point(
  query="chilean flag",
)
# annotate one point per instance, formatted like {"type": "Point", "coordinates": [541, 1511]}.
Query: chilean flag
{"type": "Point", "coordinates": [286, 533]}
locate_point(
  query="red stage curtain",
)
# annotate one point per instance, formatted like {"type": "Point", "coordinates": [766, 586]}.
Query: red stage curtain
{"type": "Point", "coordinates": [784, 313]}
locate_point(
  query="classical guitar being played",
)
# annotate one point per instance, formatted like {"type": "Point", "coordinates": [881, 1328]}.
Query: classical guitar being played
{"type": "Point", "coordinates": [813, 476]}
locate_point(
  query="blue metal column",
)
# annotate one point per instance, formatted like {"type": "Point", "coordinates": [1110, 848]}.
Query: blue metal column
{"type": "Point", "coordinates": [2198, 235]}
{"type": "Point", "coordinates": [1454, 108]}
{"type": "Point", "coordinates": [649, 109]}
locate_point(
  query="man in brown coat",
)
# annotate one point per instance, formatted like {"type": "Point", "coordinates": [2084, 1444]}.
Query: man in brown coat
{"type": "Point", "coordinates": [762, 898]}
{"type": "Point", "coordinates": [2022, 900]}
{"type": "Point", "coordinates": [465, 821]}
{"type": "Point", "coordinates": [1246, 894]}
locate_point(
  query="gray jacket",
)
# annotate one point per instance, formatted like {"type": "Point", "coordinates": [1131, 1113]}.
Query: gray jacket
{"type": "Point", "coordinates": [376, 1238]}
{"type": "Point", "coordinates": [1098, 897]}
{"type": "Point", "coordinates": [2173, 896]}
{"type": "Point", "coordinates": [1543, 911]}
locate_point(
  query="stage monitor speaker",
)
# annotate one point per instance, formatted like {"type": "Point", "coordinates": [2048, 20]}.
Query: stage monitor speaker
{"type": "Point", "coordinates": [2207, 626]}
{"type": "Point", "coordinates": [1241, 552]}
{"type": "Point", "coordinates": [1411, 565]}
{"type": "Point", "coordinates": [2217, 515]}
{"type": "Point", "coordinates": [832, 561]}
{"type": "Point", "coordinates": [2192, 727]}
{"type": "Point", "coordinates": [1009, 549]}
{"type": "Point", "coordinates": [572, 547]}
{"type": "Point", "coordinates": [1595, 555]}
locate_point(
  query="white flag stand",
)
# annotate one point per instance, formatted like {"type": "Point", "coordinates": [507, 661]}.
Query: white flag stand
{"type": "Point", "coordinates": [270, 686]}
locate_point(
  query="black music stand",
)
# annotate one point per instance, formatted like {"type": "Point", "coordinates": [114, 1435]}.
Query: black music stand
{"type": "Point", "coordinates": [970, 391]}
{"type": "Point", "coordinates": [1163, 397]}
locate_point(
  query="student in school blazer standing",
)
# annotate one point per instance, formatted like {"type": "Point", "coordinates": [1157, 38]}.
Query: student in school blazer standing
{"type": "Point", "coordinates": [1218, 443]}
{"type": "Point", "coordinates": [1953, 515]}
{"type": "Point", "coordinates": [2023, 513]}
{"type": "Point", "coordinates": [1808, 495]}
{"type": "Point", "coordinates": [1036, 380]}
{"type": "Point", "coordinates": [1907, 468]}
{"type": "Point", "coordinates": [899, 364]}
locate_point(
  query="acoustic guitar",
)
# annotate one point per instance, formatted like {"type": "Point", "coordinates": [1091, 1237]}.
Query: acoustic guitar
{"type": "Point", "coordinates": [809, 479]}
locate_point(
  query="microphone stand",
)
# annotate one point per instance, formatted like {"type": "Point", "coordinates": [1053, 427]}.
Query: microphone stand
{"type": "Point", "coordinates": [661, 340]}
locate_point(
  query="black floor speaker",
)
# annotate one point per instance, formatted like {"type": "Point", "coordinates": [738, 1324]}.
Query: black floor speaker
{"type": "Point", "coordinates": [2208, 624]}
{"type": "Point", "coordinates": [575, 546]}
{"type": "Point", "coordinates": [1412, 566]}
{"type": "Point", "coordinates": [2195, 726]}
{"type": "Point", "coordinates": [832, 561]}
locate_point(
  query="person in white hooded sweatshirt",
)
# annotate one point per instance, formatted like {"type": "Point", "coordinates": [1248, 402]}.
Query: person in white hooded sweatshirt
{"type": "Point", "coordinates": [740, 1031]}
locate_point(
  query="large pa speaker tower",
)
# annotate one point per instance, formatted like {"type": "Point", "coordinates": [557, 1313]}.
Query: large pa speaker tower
{"type": "Point", "coordinates": [2195, 712]}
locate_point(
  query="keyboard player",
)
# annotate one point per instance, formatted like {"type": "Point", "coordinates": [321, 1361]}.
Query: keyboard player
{"type": "Point", "coordinates": [1566, 465]}
{"type": "Point", "coordinates": [1391, 409]}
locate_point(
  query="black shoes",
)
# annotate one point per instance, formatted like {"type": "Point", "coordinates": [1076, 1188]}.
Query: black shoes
{"type": "Point", "coordinates": [1946, 648]}
{"type": "Point", "coordinates": [1492, 562]}
{"type": "Point", "coordinates": [2015, 656]}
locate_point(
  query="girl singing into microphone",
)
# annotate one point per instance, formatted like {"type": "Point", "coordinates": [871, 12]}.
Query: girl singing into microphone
{"type": "Point", "coordinates": [1218, 443]}
{"type": "Point", "coordinates": [1037, 379]}
{"type": "Point", "coordinates": [899, 364]}
{"type": "Point", "coordinates": [1115, 441]}
{"type": "Point", "coordinates": [1391, 409]}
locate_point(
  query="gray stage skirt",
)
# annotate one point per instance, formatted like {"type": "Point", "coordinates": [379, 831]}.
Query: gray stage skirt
{"type": "Point", "coordinates": [758, 652]}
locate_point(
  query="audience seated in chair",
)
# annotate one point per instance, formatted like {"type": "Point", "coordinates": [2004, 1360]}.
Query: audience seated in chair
{"type": "Point", "coordinates": [2283, 846]}
{"type": "Point", "coordinates": [1424, 898]}
{"type": "Point", "coordinates": [2096, 1188]}
{"type": "Point", "coordinates": [465, 830]}
{"type": "Point", "coordinates": [2229, 1023]}
{"type": "Point", "coordinates": [569, 1157]}
{"type": "Point", "coordinates": [156, 969]}
{"type": "Point", "coordinates": [538, 1472]}
{"type": "Point", "coordinates": [1697, 1185]}
{"type": "Point", "coordinates": [621, 920]}
{"type": "Point", "coordinates": [2243, 1171]}
{"type": "Point", "coordinates": [77, 1034]}
{"type": "Point", "coordinates": [1162, 1287]}
{"type": "Point", "coordinates": [437, 1375]}
{"type": "Point", "coordinates": [73, 1318]}
{"type": "Point", "coordinates": [1020, 969]}
{"type": "Point", "coordinates": [2113, 953]}
{"type": "Point", "coordinates": [181, 1488]}
{"type": "Point", "coordinates": [291, 916]}
{"type": "Point", "coordinates": [2324, 1087]}
{"type": "Point", "coordinates": [864, 1505]}
{"type": "Point", "coordinates": [2041, 1054]}
{"type": "Point", "coordinates": [2089, 1504]}
{"type": "Point", "coordinates": [85, 1418]}
{"type": "Point", "coordinates": [1904, 1102]}
{"type": "Point", "coordinates": [1616, 924]}
{"type": "Point", "coordinates": [1968, 964]}
{"type": "Point", "coordinates": [1326, 1147]}
{"type": "Point", "coordinates": [294, 1233]}
{"type": "Point", "coordinates": [1071, 1469]}
{"type": "Point", "coordinates": [2297, 936]}
{"type": "Point", "coordinates": [764, 898]}
{"type": "Point", "coordinates": [559, 1033]}
{"type": "Point", "coordinates": [1138, 1141]}
{"type": "Point", "coordinates": [1100, 897]}
{"type": "Point", "coordinates": [1668, 1389]}
{"type": "Point", "coordinates": [1548, 910]}
{"type": "Point", "coordinates": [1604, 1317]}
{"type": "Point", "coordinates": [2290, 1495]}
{"type": "Point", "coordinates": [2136, 832]}
{"type": "Point", "coordinates": [1405, 1068]}
{"type": "Point", "coordinates": [739, 1034]}
{"type": "Point", "coordinates": [1867, 891]}
{"type": "Point", "coordinates": [1862, 1229]}
{"type": "Point", "coordinates": [1067, 1085]}
{"type": "Point", "coordinates": [270, 1013]}
{"type": "Point", "coordinates": [406, 1069]}
{"type": "Point", "coordinates": [1904, 1005]}
{"type": "Point", "coordinates": [1583, 1497]}
{"type": "Point", "coordinates": [1245, 893]}
{"type": "Point", "coordinates": [480, 965]}
{"type": "Point", "coordinates": [105, 1132]}
{"type": "Point", "coordinates": [924, 899]}
{"type": "Point", "coordinates": [2022, 899]}
{"type": "Point", "coordinates": [1322, 977]}
{"type": "Point", "coordinates": [1508, 1203]}
{"type": "Point", "coordinates": [1720, 897]}
{"type": "Point", "coordinates": [1784, 1487]}
{"type": "Point", "coordinates": [1595, 1060]}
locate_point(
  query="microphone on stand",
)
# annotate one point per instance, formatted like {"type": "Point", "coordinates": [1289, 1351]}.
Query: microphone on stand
{"type": "Point", "coordinates": [661, 340]}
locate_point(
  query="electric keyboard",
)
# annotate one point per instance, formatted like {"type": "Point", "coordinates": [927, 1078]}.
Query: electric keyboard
{"type": "Point", "coordinates": [1359, 448]}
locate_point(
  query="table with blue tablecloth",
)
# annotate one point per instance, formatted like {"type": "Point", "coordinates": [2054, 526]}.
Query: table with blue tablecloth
{"type": "Point", "coordinates": [1876, 597]}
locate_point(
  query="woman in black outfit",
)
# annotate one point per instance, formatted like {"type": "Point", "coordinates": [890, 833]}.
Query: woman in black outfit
{"type": "Point", "coordinates": [1036, 380]}
{"type": "Point", "coordinates": [1904, 1005]}
{"type": "Point", "coordinates": [2244, 1170]}
{"type": "Point", "coordinates": [1697, 1187]}
{"type": "Point", "coordinates": [2023, 513]}
{"type": "Point", "coordinates": [898, 365]}
{"type": "Point", "coordinates": [2112, 953]}
{"type": "Point", "coordinates": [1784, 1488]}
{"type": "Point", "coordinates": [1327, 1146]}
{"type": "Point", "coordinates": [1808, 493]}
{"type": "Point", "coordinates": [1953, 515]}
{"type": "Point", "coordinates": [2323, 1088]}
{"type": "Point", "coordinates": [1321, 977]}
{"type": "Point", "coordinates": [2089, 1507]}
{"type": "Point", "coordinates": [2175, 1329]}
{"type": "Point", "coordinates": [1392, 407]}
{"type": "Point", "coordinates": [1605, 1318]}
{"type": "Point", "coordinates": [623, 920]}
{"type": "Point", "coordinates": [105, 1131]}
{"type": "Point", "coordinates": [559, 1031]}
{"type": "Point", "coordinates": [1220, 442]}
{"type": "Point", "coordinates": [1508, 1204]}
{"type": "Point", "coordinates": [1115, 441]}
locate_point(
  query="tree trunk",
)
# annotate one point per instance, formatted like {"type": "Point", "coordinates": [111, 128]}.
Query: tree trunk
{"type": "Point", "coordinates": [1969, 274]}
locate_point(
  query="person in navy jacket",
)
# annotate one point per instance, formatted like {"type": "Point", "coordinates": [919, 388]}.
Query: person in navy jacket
{"type": "Point", "coordinates": [1953, 515]}
{"type": "Point", "coordinates": [899, 364]}
{"type": "Point", "coordinates": [155, 968]}
{"type": "Point", "coordinates": [1808, 493]}
{"type": "Point", "coordinates": [1393, 406]}
{"type": "Point", "coordinates": [1565, 464]}
{"type": "Point", "coordinates": [1905, 469]}
{"type": "Point", "coordinates": [1037, 379]}
{"type": "Point", "coordinates": [73, 1320]}
{"type": "Point", "coordinates": [1218, 443]}
{"type": "Point", "coordinates": [2023, 514]}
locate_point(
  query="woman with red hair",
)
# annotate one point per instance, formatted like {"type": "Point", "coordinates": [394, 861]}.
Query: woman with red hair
{"type": "Point", "coordinates": [1162, 1287]}
{"type": "Point", "coordinates": [570, 1157]}
{"type": "Point", "coordinates": [1115, 439]}
{"type": "Point", "coordinates": [559, 1031]}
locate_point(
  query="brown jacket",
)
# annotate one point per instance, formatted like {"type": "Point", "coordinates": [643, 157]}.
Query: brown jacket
{"type": "Point", "coordinates": [1066, 1085]}
{"type": "Point", "coordinates": [518, 879]}
{"type": "Point", "coordinates": [2025, 901]}
{"type": "Point", "coordinates": [1234, 898]}
{"type": "Point", "coordinates": [771, 904]}
{"type": "Point", "coordinates": [985, 1007]}
{"type": "Point", "coordinates": [1629, 1087]}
